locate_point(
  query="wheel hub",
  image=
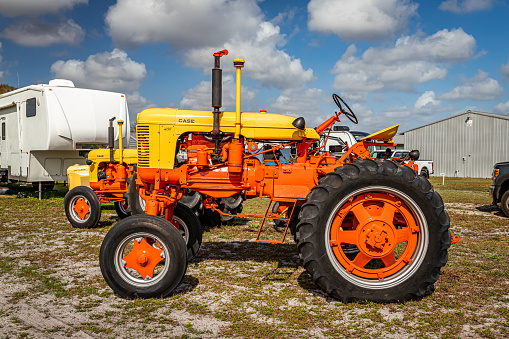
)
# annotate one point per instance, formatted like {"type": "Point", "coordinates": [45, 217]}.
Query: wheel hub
{"type": "Point", "coordinates": [81, 207]}
{"type": "Point", "coordinates": [377, 239]}
{"type": "Point", "coordinates": [143, 258]}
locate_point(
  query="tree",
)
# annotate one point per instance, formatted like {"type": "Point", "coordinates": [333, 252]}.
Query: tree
{"type": "Point", "coordinates": [4, 88]}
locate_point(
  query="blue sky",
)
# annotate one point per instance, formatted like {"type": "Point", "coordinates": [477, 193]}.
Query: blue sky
{"type": "Point", "coordinates": [392, 61]}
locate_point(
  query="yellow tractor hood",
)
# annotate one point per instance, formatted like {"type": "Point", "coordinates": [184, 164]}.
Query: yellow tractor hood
{"type": "Point", "coordinates": [263, 126]}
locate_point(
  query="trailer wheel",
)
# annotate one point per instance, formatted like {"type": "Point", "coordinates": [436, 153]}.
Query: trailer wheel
{"type": "Point", "coordinates": [82, 207]}
{"type": "Point", "coordinates": [143, 256]}
{"type": "Point", "coordinates": [504, 203]}
{"type": "Point", "coordinates": [189, 227]}
{"type": "Point", "coordinates": [121, 208]}
{"type": "Point", "coordinates": [374, 230]}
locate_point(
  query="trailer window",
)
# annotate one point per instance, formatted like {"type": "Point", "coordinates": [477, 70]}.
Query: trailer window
{"type": "Point", "coordinates": [3, 130]}
{"type": "Point", "coordinates": [30, 107]}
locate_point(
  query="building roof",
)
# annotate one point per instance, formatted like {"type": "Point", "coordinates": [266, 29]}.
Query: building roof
{"type": "Point", "coordinates": [490, 115]}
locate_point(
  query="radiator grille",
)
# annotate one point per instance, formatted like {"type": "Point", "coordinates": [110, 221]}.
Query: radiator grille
{"type": "Point", "coordinates": [142, 135]}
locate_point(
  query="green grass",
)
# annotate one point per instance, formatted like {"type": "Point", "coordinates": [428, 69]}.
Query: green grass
{"type": "Point", "coordinates": [236, 287]}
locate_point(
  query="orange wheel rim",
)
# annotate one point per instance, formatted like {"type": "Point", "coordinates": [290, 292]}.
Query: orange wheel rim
{"type": "Point", "coordinates": [82, 208]}
{"type": "Point", "coordinates": [384, 230]}
{"type": "Point", "coordinates": [143, 258]}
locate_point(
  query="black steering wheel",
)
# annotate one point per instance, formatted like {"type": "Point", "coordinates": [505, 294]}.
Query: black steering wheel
{"type": "Point", "coordinates": [349, 114]}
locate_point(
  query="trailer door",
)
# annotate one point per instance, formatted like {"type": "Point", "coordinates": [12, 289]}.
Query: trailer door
{"type": "Point", "coordinates": [8, 132]}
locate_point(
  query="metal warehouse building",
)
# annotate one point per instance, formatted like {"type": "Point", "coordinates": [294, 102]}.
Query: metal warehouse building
{"type": "Point", "coordinates": [464, 145]}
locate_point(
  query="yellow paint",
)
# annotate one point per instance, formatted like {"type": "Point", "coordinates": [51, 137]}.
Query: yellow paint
{"type": "Point", "coordinates": [77, 175]}
{"type": "Point", "coordinates": [120, 123]}
{"type": "Point", "coordinates": [103, 155]}
{"type": "Point", "coordinates": [384, 135]}
{"type": "Point", "coordinates": [163, 127]}
{"type": "Point", "coordinates": [238, 63]}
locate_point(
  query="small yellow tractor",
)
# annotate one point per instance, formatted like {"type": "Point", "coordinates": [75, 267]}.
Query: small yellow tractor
{"type": "Point", "coordinates": [366, 229]}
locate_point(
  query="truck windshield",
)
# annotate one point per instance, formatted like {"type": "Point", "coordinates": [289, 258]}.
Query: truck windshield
{"type": "Point", "coordinates": [378, 154]}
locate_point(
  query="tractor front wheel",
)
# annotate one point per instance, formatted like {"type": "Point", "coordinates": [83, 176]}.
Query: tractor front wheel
{"type": "Point", "coordinates": [121, 209]}
{"type": "Point", "coordinates": [143, 256]}
{"type": "Point", "coordinates": [374, 230]}
{"type": "Point", "coordinates": [82, 207]}
{"type": "Point", "coordinates": [189, 227]}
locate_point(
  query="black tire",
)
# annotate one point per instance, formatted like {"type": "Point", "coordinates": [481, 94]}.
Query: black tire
{"type": "Point", "coordinates": [121, 208]}
{"type": "Point", "coordinates": [135, 204]}
{"type": "Point", "coordinates": [153, 234]}
{"type": "Point", "coordinates": [189, 228]}
{"type": "Point", "coordinates": [504, 203]}
{"type": "Point", "coordinates": [194, 201]}
{"type": "Point", "coordinates": [425, 173]}
{"type": "Point", "coordinates": [386, 183]}
{"type": "Point", "coordinates": [85, 197]}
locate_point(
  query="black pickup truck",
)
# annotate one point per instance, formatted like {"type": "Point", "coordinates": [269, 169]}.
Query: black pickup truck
{"type": "Point", "coordinates": [499, 190]}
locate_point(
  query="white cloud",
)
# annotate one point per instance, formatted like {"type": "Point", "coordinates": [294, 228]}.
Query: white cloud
{"type": "Point", "coordinates": [427, 103]}
{"type": "Point", "coordinates": [196, 29]}
{"type": "Point", "coordinates": [264, 61]}
{"type": "Point", "coordinates": [113, 71]}
{"type": "Point", "coordinates": [413, 60]}
{"type": "Point", "coordinates": [480, 87]}
{"type": "Point", "coordinates": [505, 71]}
{"type": "Point", "coordinates": [466, 6]}
{"type": "Point", "coordinates": [370, 20]}
{"type": "Point", "coordinates": [199, 98]}
{"type": "Point", "coordinates": [181, 23]}
{"type": "Point", "coordinates": [502, 108]}
{"type": "Point", "coordinates": [41, 34]}
{"type": "Point", "coordinates": [137, 103]}
{"type": "Point", "coordinates": [13, 8]}
{"type": "Point", "coordinates": [369, 121]}
{"type": "Point", "coordinates": [301, 102]}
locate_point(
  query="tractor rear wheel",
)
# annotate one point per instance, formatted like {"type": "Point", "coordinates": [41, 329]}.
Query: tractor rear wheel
{"type": "Point", "coordinates": [82, 207]}
{"type": "Point", "coordinates": [374, 230]}
{"type": "Point", "coordinates": [143, 256]}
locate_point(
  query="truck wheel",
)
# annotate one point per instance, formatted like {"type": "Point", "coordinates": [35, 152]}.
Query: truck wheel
{"type": "Point", "coordinates": [374, 230]}
{"type": "Point", "coordinates": [143, 256]}
{"type": "Point", "coordinates": [82, 207]}
{"type": "Point", "coordinates": [504, 203]}
{"type": "Point", "coordinates": [425, 173]}
{"type": "Point", "coordinates": [189, 227]}
{"type": "Point", "coordinates": [121, 208]}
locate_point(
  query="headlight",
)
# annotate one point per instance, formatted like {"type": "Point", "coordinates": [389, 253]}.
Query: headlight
{"type": "Point", "coordinates": [495, 173]}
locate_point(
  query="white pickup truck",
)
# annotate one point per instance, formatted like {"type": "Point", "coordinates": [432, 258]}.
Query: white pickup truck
{"type": "Point", "coordinates": [425, 167]}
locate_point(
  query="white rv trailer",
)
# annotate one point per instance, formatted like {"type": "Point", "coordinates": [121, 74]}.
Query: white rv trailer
{"type": "Point", "coordinates": [44, 129]}
{"type": "Point", "coordinates": [338, 141]}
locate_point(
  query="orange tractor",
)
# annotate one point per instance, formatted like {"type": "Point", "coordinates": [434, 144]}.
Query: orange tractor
{"type": "Point", "coordinates": [366, 229]}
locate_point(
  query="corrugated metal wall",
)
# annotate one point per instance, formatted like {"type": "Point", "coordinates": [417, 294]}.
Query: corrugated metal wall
{"type": "Point", "coordinates": [458, 149]}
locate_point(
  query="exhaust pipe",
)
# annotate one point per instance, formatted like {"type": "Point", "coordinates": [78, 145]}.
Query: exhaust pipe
{"type": "Point", "coordinates": [217, 91]}
{"type": "Point", "coordinates": [111, 140]}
